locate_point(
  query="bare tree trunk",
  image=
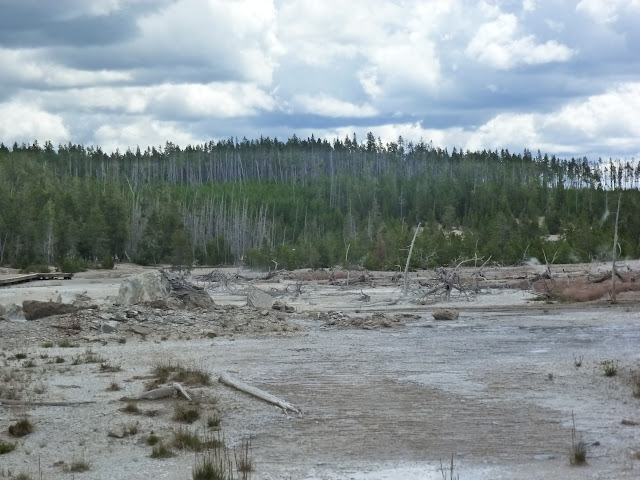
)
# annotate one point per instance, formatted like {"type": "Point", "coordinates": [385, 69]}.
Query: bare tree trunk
{"type": "Point", "coordinates": [615, 246]}
{"type": "Point", "coordinates": [406, 267]}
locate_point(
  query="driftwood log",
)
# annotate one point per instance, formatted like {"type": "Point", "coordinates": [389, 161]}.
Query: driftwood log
{"type": "Point", "coordinates": [256, 392]}
{"type": "Point", "coordinates": [6, 401]}
{"type": "Point", "coordinates": [162, 392]}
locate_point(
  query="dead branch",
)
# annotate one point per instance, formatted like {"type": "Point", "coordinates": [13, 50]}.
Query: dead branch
{"type": "Point", "coordinates": [256, 392]}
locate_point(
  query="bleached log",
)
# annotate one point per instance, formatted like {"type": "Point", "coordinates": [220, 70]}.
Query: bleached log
{"type": "Point", "coordinates": [256, 392]}
{"type": "Point", "coordinates": [163, 392]}
{"type": "Point", "coordinates": [6, 401]}
{"type": "Point", "coordinates": [182, 391]}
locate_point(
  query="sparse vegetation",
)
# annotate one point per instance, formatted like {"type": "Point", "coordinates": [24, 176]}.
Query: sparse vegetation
{"type": "Point", "coordinates": [152, 440]}
{"type": "Point", "coordinates": [114, 387]}
{"type": "Point", "coordinates": [21, 428]}
{"type": "Point", "coordinates": [131, 407]}
{"type": "Point", "coordinates": [186, 414]}
{"type": "Point", "coordinates": [66, 343]}
{"type": "Point", "coordinates": [244, 464]}
{"type": "Point", "coordinates": [78, 465]}
{"type": "Point", "coordinates": [160, 450]}
{"type": "Point", "coordinates": [6, 447]}
{"type": "Point", "coordinates": [215, 464]}
{"type": "Point", "coordinates": [47, 345]}
{"type": "Point", "coordinates": [185, 439]}
{"type": "Point", "coordinates": [213, 421]}
{"type": "Point", "coordinates": [610, 367]}
{"type": "Point", "coordinates": [165, 372]}
{"type": "Point", "coordinates": [578, 455]}
{"type": "Point", "coordinates": [109, 367]}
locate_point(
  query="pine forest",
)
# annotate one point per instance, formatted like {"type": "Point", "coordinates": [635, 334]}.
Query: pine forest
{"type": "Point", "coordinates": [309, 203]}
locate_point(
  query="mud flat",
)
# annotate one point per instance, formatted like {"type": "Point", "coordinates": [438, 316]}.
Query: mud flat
{"type": "Point", "coordinates": [385, 398]}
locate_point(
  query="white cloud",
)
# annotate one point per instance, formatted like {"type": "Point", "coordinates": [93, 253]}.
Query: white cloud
{"type": "Point", "coordinates": [529, 5]}
{"type": "Point", "coordinates": [592, 126]}
{"type": "Point", "coordinates": [239, 37]}
{"type": "Point", "coordinates": [22, 122]}
{"type": "Point", "coordinates": [390, 45]}
{"type": "Point", "coordinates": [498, 45]}
{"type": "Point", "coordinates": [332, 107]}
{"type": "Point", "coordinates": [32, 67]}
{"type": "Point", "coordinates": [143, 132]}
{"type": "Point", "coordinates": [214, 100]}
{"type": "Point", "coordinates": [608, 11]}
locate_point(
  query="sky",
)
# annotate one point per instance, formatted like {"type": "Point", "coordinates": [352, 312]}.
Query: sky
{"type": "Point", "coordinates": [558, 76]}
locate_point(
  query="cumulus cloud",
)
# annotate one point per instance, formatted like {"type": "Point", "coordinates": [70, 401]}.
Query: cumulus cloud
{"type": "Point", "coordinates": [332, 107]}
{"type": "Point", "coordinates": [468, 74]}
{"type": "Point", "coordinates": [608, 11]}
{"type": "Point", "coordinates": [22, 122]}
{"type": "Point", "coordinates": [143, 132]}
{"type": "Point", "coordinates": [30, 67]}
{"type": "Point", "coordinates": [498, 44]}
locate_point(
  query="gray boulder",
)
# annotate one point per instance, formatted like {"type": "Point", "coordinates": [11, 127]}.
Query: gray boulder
{"type": "Point", "coordinates": [143, 288]}
{"type": "Point", "coordinates": [446, 314]}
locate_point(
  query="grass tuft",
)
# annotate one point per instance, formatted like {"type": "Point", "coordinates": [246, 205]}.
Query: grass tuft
{"type": "Point", "coordinates": [21, 428]}
{"type": "Point", "coordinates": [131, 407]}
{"type": "Point", "coordinates": [244, 464]}
{"type": "Point", "coordinates": [186, 414]}
{"type": "Point", "coordinates": [610, 367]}
{"type": "Point", "coordinates": [578, 455]}
{"type": "Point", "coordinates": [161, 451]}
{"type": "Point", "coordinates": [6, 447]}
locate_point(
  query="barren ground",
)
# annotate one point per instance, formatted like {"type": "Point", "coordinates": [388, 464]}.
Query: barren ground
{"type": "Point", "coordinates": [384, 397]}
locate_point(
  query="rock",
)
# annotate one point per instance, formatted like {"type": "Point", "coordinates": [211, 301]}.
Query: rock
{"type": "Point", "coordinates": [80, 300]}
{"type": "Point", "coordinates": [259, 299]}
{"type": "Point", "coordinates": [119, 317]}
{"type": "Point", "coordinates": [145, 287]}
{"type": "Point", "coordinates": [109, 327]}
{"type": "Point", "coordinates": [278, 305]}
{"type": "Point", "coordinates": [33, 309]}
{"type": "Point", "coordinates": [140, 330]}
{"type": "Point", "coordinates": [188, 296]}
{"type": "Point", "coordinates": [446, 314]}
{"type": "Point", "coordinates": [15, 313]}
{"type": "Point", "coordinates": [3, 313]}
{"type": "Point", "coordinates": [119, 431]}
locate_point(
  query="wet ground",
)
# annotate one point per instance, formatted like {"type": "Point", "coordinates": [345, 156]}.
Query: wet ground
{"type": "Point", "coordinates": [495, 389]}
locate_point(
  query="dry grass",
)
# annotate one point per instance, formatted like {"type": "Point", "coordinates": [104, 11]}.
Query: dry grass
{"type": "Point", "coordinates": [21, 428]}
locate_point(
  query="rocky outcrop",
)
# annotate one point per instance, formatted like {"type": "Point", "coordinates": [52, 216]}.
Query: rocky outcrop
{"type": "Point", "coordinates": [33, 309]}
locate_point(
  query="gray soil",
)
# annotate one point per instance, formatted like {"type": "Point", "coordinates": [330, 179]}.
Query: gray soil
{"type": "Point", "coordinates": [386, 391]}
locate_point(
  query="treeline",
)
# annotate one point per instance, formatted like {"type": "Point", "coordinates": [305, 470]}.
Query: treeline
{"type": "Point", "coordinates": [308, 203]}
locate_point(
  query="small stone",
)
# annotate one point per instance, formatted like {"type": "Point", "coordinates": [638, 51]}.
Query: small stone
{"type": "Point", "coordinates": [140, 330]}
{"type": "Point", "coordinates": [446, 314]}
{"type": "Point", "coordinates": [120, 431]}
{"type": "Point", "coordinates": [109, 327]}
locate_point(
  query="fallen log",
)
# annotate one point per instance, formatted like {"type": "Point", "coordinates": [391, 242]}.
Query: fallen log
{"type": "Point", "coordinates": [6, 401]}
{"type": "Point", "coordinates": [161, 392]}
{"type": "Point", "coordinates": [256, 392]}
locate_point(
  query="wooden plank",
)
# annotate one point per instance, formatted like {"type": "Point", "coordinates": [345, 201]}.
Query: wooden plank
{"type": "Point", "coordinates": [32, 277]}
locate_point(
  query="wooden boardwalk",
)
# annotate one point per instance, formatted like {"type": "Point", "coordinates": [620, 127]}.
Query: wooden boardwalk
{"type": "Point", "coordinates": [32, 277]}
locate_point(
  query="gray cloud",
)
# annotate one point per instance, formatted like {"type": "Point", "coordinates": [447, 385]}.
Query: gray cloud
{"type": "Point", "coordinates": [558, 76]}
